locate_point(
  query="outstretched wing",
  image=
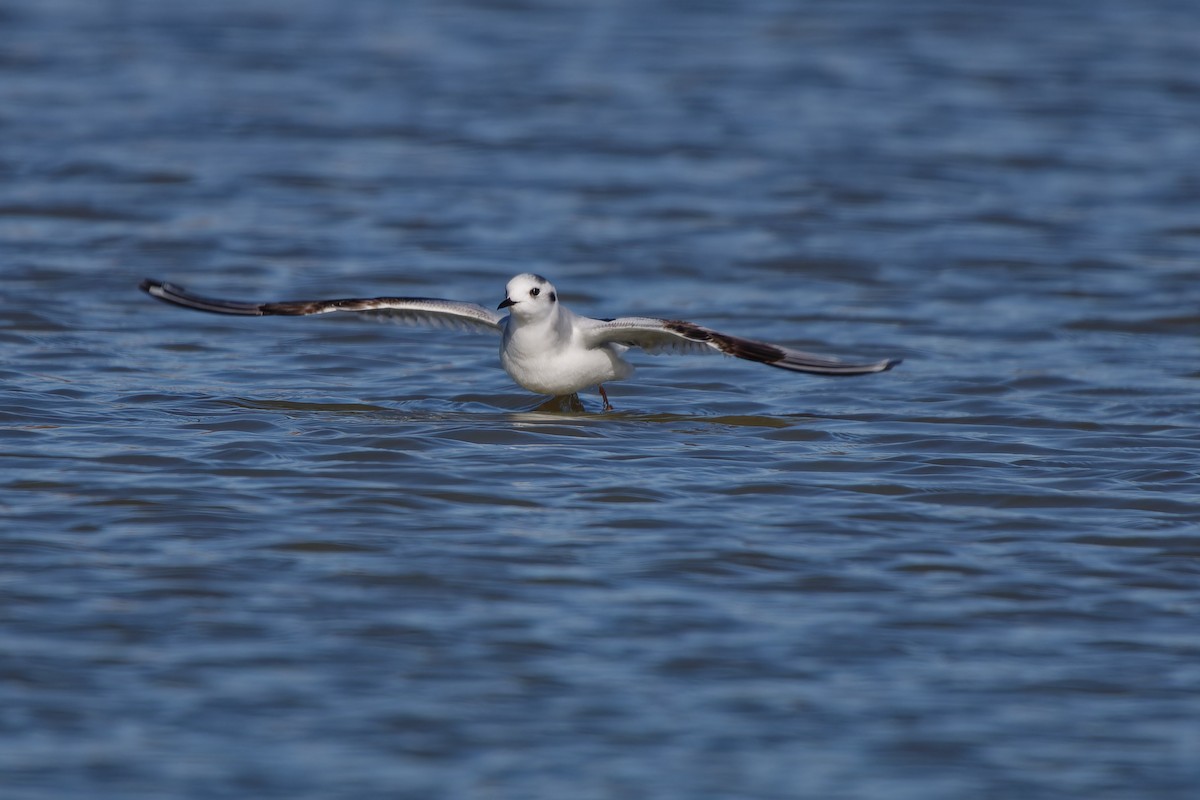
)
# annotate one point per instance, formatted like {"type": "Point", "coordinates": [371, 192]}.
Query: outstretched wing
{"type": "Point", "coordinates": [676, 336]}
{"type": "Point", "coordinates": [424, 311]}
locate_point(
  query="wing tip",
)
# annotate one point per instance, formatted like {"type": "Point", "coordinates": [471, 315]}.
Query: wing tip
{"type": "Point", "coordinates": [164, 290]}
{"type": "Point", "coordinates": [158, 289]}
{"type": "Point", "coordinates": [836, 367]}
{"type": "Point", "coordinates": [867, 369]}
{"type": "Point", "coordinates": [177, 295]}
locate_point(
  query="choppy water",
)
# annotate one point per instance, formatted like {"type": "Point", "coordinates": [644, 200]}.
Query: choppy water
{"type": "Point", "coordinates": [293, 558]}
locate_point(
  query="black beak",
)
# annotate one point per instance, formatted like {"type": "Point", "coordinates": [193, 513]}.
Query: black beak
{"type": "Point", "coordinates": [506, 303]}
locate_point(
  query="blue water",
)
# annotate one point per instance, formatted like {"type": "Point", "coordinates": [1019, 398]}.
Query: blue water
{"type": "Point", "coordinates": [320, 557]}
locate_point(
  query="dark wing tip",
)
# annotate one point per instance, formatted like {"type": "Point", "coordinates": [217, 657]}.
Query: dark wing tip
{"type": "Point", "coordinates": [177, 295]}
{"type": "Point", "coordinates": [774, 355]}
{"type": "Point", "coordinates": [819, 365]}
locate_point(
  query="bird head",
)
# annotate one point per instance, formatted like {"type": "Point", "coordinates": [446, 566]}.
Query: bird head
{"type": "Point", "coordinates": [529, 296]}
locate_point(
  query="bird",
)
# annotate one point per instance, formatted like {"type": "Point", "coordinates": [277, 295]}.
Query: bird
{"type": "Point", "coordinates": [544, 346]}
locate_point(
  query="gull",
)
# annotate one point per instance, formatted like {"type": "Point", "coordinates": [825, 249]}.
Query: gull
{"type": "Point", "coordinates": [544, 346]}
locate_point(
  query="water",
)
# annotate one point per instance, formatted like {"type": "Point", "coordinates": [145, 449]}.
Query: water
{"type": "Point", "coordinates": [294, 558]}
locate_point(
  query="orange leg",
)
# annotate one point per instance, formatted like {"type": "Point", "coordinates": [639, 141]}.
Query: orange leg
{"type": "Point", "coordinates": [604, 394]}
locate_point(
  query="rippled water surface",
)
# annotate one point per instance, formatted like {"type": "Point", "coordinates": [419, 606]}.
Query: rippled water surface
{"type": "Point", "coordinates": [310, 558]}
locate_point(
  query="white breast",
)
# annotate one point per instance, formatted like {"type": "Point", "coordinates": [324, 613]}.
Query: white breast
{"type": "Point", "coordinates": [545, 359]}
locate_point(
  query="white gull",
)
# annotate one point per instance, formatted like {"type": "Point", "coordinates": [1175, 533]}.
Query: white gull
{"type": "Point", "coordinates": [544, 347]}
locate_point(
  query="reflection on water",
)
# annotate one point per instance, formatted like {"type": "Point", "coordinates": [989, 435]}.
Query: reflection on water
{"type": "Point", "coordinates": [312, 558]}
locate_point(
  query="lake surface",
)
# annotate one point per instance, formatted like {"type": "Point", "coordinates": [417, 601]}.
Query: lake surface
{"type": "Point", "coordinates": [313, 558]}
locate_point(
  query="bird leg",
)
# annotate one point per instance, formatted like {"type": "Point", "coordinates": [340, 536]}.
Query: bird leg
{"type": "Point", "coordinates": [604, 394]}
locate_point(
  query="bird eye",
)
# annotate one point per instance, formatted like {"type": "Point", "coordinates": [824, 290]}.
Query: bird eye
{"type": "Point", "coordinates": [534, 292]}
